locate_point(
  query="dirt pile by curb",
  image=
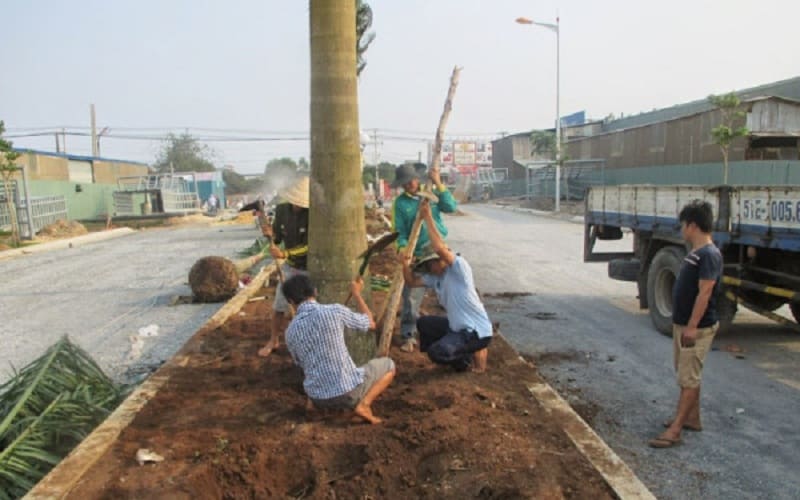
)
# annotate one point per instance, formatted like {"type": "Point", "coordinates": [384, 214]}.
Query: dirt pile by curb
{"type": "Point", "coordinates": [61, 229]}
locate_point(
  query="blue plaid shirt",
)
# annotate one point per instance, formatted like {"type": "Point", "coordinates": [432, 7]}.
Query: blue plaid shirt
{"type": "Point", "coordinates": [315, 339]}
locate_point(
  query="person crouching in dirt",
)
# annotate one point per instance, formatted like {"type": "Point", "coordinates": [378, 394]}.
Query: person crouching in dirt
{"type": "Point", "coordinates": [463, 336]}
{"type": "Point", "coordinates": [315, 339]}
{"type": "Point", "coordinates": [290, 228]}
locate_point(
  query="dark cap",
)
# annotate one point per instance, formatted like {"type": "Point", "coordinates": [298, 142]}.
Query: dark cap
{"type": "Point", "coordinates": [404, 174]}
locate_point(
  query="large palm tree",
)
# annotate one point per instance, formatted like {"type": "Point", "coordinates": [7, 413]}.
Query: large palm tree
{"type": "Point", "coordinates": [336, 220]}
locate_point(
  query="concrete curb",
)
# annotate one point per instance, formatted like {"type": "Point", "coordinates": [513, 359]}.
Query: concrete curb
{"type": "Point", "coordinates": [616, 473]}
{"type": "Point", "coordinates": [67, 243]}
{"type": "Point", "coordinates": [66, 474]}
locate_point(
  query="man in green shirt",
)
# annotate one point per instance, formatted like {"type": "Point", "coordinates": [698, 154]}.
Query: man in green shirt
{"type": "Point", "coordinates": [404, 212]}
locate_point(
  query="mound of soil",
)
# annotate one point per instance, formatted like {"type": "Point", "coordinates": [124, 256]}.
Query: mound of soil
{"type": "Point", "coordinates": [213, 279]}
{"type": "Point", "coordinates": [62, 229]}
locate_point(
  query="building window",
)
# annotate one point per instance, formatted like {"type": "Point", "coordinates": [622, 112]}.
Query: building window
{"type": "Point", "coordinates": [80, 171]}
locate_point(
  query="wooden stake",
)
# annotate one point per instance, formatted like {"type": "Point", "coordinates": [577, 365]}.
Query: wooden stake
{"type": "Point", "coordinates": [384, 341]}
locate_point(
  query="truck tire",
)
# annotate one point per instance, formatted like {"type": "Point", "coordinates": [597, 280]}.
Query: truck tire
{"type": "Point", "coordinates": [624, 269]}
{"type": "Point", "coordinates": [660, 279]}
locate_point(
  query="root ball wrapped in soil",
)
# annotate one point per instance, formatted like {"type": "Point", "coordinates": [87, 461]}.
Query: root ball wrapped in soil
{"type": "Point", "coordinates": [213, 279]}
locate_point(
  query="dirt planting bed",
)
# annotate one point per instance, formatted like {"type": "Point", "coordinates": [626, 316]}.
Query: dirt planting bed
{"type": "Point", "coordinates": [232, 425]}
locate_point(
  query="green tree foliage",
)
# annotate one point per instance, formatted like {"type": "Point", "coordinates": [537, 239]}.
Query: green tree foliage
{"type": "Point", "coordinates": [185, 154]}
{"type": "Point", "coordinates": [8, 167]}
{"type": "Point", "coordinates": [543, 142]}
{"type": "Point", "coordinates": [385, 169]}
{"type": "Point", "coordinates": [363, 39]}
{"type": "Point", "coordinates": [723, 135]}
{"type": "Point", "coordinates": [238, 184]}
{"type": "Point", "coordinates": [302, 164]}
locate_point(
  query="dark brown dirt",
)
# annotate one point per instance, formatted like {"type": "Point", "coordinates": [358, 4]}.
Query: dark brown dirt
{"type": "Point", "coordinates": [213, 279]}
{"type": "Point", "coordinates": [232, 425]}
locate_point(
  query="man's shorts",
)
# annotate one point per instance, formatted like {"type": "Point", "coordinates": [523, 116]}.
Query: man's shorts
{"type": "Point", "coordinates": [689, 360]}
{"type": "Point", "coordinates": [374, 370]}
{"type": "Point", "coordinates": [280, 304]}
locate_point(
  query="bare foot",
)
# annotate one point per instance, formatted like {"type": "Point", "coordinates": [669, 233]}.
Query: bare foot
{"type": "Point", "coordinates": [266, 350]}
{"type": "Point", "coordinates": [479, 360]}
{"type": "Point", "coordinates": [365, 412]}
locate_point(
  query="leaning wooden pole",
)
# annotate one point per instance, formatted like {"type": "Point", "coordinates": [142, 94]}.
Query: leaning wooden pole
{"type": "Point", "coordinates": [393, 301]}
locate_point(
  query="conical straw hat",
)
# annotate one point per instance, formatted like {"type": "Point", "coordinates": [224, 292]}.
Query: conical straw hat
{"type": "Point", "coordinates": [297, 193]}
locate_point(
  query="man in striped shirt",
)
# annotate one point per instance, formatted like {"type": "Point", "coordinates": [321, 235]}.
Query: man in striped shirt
{"type": "Point", "coordinates": [315, 339]}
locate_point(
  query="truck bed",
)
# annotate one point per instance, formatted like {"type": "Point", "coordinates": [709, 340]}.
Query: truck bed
{"type": "Point", "coordinates": [760, 216]}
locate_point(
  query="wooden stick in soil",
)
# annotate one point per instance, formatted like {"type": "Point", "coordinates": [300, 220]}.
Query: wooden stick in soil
{"type": "Point", "coordinates": [385, 339]}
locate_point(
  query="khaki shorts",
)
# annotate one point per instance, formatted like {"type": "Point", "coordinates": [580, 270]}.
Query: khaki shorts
{"type": "Point", "coordinates": [689, 360]}
{"type": "Point", "coordinates": [280, 304]}
{"type": "Point", "coordinates": [374, 370]}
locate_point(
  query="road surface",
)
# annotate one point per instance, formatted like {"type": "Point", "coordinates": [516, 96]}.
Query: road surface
{"type": "Point", "coordinates": [101, 294]}
{"type": "Point", "coordinates": [588, 337]}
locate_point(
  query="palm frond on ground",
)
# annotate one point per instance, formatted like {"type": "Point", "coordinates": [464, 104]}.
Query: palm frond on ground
{"type": "Point", "coordinates": [45, 410]}
{"type": "Point", "coordinates": [260, 245]}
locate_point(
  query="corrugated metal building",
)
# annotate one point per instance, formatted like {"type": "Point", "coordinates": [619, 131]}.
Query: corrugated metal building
{"type": "Point", "coordinates": [678, 135]}
{"type": "Point", "coordinates": [773, 122]}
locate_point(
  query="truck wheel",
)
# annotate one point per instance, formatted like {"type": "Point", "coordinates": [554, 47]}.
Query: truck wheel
{"type": "Point", "coordinates": [624, 269]}
{"type": "Point", "coordinates": [660, 280]}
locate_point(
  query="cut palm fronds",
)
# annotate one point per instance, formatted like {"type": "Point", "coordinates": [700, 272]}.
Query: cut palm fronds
{"type": "Point", "coordinates": [46, 409]}
{"type": "Point", "coordinates": [260, 245]}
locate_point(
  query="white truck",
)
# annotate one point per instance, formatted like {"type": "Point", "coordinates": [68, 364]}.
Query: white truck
{"type": "Point", "coordinates": [756, 228]}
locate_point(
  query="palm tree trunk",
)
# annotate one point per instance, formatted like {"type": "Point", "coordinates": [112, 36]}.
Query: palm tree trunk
{"type": "Point", "coordinates": [336, 218]}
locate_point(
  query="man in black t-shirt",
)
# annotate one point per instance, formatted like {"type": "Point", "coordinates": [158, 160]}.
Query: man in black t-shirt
{"type": "Point", "coordinates": [694, 317]}
{"type": "Point", "coordinates": [289, 229]}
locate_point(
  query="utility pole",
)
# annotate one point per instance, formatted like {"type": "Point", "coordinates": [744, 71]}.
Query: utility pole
{"type": "Point", "coordinates": [94, 130]}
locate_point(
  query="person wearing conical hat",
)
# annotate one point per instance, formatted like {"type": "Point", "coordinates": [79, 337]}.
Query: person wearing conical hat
{"type": "Point", "coordinates": [289, 242]}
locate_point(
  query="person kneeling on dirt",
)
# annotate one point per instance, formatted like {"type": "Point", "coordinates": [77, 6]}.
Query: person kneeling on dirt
{"type": "Point", "coordinates": [466, 331]}
{"type": "Point", "coordinates": [315, 339]}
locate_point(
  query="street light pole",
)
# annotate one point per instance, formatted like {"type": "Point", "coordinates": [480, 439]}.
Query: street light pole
{"type": "Point", "coordinates": [558, 117]}
{"type": "Point", "coordinates": [555, 28]}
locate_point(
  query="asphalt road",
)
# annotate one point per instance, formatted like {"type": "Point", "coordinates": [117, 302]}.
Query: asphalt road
{"type": "Point", "coordinates": [101, 294]}
{"type": "Point", "coordinates": [588, 337]}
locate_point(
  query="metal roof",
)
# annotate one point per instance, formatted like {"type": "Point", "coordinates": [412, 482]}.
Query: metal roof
{"type": "Point", "coordinates": [76, 157]}
{"type": "Point", "coordinates": [787, 89]}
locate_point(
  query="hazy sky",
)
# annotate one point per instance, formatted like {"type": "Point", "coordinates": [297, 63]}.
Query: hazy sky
{"type": "Point", "coordinates": [244, 64]}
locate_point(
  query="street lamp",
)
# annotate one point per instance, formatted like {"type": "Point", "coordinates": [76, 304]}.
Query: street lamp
{"type": "Point", "coordinates": [553, 27]}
